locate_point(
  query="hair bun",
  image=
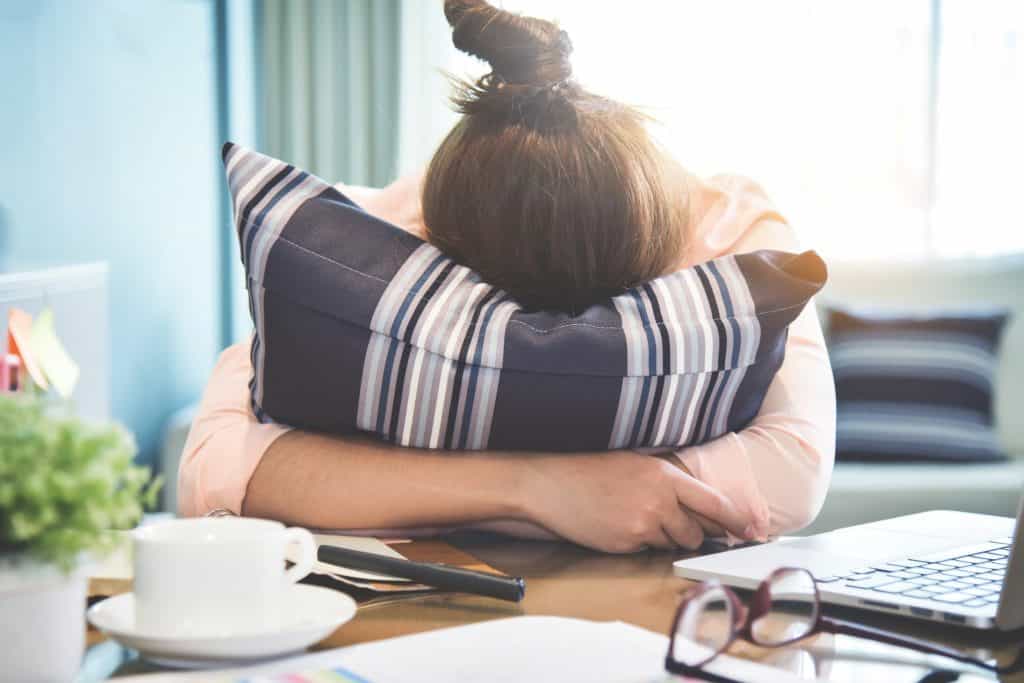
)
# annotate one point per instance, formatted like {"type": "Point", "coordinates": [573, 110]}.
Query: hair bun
{"type": "Point", "coordinates": [520, 50]}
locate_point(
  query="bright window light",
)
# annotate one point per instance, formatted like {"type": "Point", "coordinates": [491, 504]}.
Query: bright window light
{"type": "Point", "coordinates": [881, 129]}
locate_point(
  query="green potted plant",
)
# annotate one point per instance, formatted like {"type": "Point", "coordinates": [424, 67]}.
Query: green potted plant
{"type": "Point", "coordinates": [65, 485]}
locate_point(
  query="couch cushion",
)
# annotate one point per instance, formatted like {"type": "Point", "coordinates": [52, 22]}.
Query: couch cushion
{"type": "Point", "coordinates": [362, 326]}
{"type": "Point", "coordinates": [949, 284]}
{"type": "Point", "coordinates": [915, 387]}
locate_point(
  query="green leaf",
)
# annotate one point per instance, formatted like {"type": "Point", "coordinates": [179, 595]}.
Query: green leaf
{"type": "Point", "coordinates": [65, 483]}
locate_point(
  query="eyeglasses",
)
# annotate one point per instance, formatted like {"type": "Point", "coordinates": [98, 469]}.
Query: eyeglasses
{"type": "Point", "coordinates": [785, 608]}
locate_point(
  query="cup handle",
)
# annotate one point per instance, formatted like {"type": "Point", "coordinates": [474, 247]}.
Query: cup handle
{"type": "Point", "coordinates": [307, 553]}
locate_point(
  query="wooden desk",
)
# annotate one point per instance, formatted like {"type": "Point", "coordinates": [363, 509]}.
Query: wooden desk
{"type": "Point", "coordinates": [640, 589]}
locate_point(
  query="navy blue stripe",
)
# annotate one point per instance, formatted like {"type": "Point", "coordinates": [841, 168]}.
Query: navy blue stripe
{"type": "Point", "coordinates": [659, 386]}
{"type": "Point", "coordinates": [666, 358]}
{"type": "Point", "coordinates": [453, 404]}
{"type": "Point", "coordinates": [699, 426]}
{"type": "Point", "coordinates": [644, 390]}
{"type": "Point", "coordinates": [243, 219]}
{"type": "Point", "coordinates": [393, 342]}
{"type": "Point", "coordinates": [719, 389]}
{"type": "Point", "coordinates": [709, 294]}
{"type": "Point", "coordinates": [729, 311]}
{"type": "Point", "coordinates": [414, 319]}
{"type": "Point", "coordinates": [258, 222]}
{"type": "Point", "coordinates": [413, 291]}
{"type": "Point", "coordinates": [715, 403]}
{"type": "Point", "coordinates": [651, 367]}
{"type": "Point", "coordinates": [396, 398]}
{"type": "Point", "coordinates": [474, 372]}
{"type": "Point", "coordinates": [410, 329]}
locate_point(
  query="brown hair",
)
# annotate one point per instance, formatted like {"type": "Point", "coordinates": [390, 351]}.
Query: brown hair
{"type": "Point", "coordinates": [556, 195]}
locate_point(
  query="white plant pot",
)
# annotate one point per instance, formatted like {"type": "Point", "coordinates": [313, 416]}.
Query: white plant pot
{"type": "Point", "coordinates": [42, 622]}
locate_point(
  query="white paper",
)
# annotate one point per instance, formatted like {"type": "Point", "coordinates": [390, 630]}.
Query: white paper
{"type": "Point", "coordinates": [539, 649]}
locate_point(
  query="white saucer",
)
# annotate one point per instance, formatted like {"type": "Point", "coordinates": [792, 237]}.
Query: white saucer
{"type": "Point", "coordinates": [312, 614]}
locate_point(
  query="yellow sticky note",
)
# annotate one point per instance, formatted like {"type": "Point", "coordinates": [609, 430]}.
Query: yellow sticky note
{"type": "Point", "coordinates": [51, 356]}
{"type": "Point", "coordinates": [19, 342]}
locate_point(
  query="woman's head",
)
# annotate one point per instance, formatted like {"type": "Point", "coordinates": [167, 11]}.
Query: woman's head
{"type": "Point", "coordinates": [554, 194]}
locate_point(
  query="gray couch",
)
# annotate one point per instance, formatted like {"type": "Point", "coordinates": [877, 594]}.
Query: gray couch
{"type": "Point", "coordinates": [866, 492]}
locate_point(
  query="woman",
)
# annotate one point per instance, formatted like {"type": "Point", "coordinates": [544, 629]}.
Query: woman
{"type": "Point", "coordinates": [559, 197]}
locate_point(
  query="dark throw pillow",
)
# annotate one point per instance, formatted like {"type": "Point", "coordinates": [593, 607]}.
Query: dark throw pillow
{"type": "Point", "coordinates": [360, 326]}
{"type": "Point", "coordinates": [915, 387]}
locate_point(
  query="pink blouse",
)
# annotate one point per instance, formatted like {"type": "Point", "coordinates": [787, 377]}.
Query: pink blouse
{"type": "Point", "coordinates": [778, 468]}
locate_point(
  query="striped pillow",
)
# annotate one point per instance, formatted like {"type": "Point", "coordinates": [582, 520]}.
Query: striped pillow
{"type": "Point", "coordinates": [361, 326]}
{"type": "Point", "coordinates": [915, 387]}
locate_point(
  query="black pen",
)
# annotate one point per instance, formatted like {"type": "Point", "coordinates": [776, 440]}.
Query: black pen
{"type": "Point", "coordinates": [442, 576]}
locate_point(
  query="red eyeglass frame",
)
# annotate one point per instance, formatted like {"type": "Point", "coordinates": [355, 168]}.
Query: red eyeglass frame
{"type": "Point", "coordinates": [759, 604]}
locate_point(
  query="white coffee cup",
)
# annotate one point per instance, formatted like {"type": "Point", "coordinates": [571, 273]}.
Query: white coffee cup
{"type": "Point", "coordinates": [215, 575]}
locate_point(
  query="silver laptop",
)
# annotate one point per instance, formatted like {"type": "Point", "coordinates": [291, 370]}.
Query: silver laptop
{"type": "Point", "coordinates": [954, 567]}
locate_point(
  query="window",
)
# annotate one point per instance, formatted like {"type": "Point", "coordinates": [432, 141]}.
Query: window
{"type": "Point", "coordinates": [881, 129]}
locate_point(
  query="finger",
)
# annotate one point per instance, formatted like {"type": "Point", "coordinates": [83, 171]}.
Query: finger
{"type": "Point", "coordinates": [714, 505]}
{"type": "Point", "coordinates": [658, 538]}
{"type": "Point", "coordinates": [710, 528]}
{"type": "Point", "coordinates": [683, 529]}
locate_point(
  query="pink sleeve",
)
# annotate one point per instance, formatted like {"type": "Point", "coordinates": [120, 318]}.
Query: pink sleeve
{"type": "Point", "coordinates": [779, 466]}
{"type": "Point", "coordinates": [225, 443]}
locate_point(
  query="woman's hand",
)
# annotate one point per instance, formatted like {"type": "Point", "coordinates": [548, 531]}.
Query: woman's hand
{"type": "Point", "coordinates": [623, 501]}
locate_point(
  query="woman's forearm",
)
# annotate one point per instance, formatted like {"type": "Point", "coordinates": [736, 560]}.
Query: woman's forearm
{"type": "Point", "coordinates": [360, 483]}
{"type": "Point", "coordinates": [616, 501]}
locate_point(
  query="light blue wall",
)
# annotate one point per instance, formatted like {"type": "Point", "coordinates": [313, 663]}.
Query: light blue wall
{"type": "Point", "coordinates": [108, 151]}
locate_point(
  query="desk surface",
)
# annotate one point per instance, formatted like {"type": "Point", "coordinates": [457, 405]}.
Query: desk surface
{"type": "Point", "coordinates": [640, 589]}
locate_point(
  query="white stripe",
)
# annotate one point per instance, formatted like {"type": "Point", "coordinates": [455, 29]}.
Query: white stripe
{"type": "Point", "coordinates": [278, 217]}
{"type": "Point", "coordinates": [703, 316]}
{"type": "Point", "coordinates": [489, 378]}
{"type": "Point", "coordinates": [691, 411]}
{"type": "Point", "coordinates": [429, 407]}
{"type": "Point", "coordinates": [477, 344]}
{"type": "Point", "coordinates": [369, 390]}
{"type": "Point", "coordinates": [237, 154]}
{"type": "Point", "coordinates": [670, 315]}
{"type": "Point", "coordinates": [723, 317]}
{"type": "Point", "coordinates": [683, 401]}
{"type": "Point", "coordinates": [241, 166]}
{"type": "Point", "coordinates": [621, 413]}
{"type": "Point", "coordinates": [454, 341]}
{"type": "Point", "coordinates": [254, 185]}
{"type": "Point", "coordinates": [669, 312]}
{"type": "Point", "coordinates": [666, 404]}
{"type": "Point", "coordinates": [398, 288]}
{"type": "Point", "coordinates": [425, 329]}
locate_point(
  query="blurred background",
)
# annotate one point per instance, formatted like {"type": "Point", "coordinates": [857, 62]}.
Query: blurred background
{"type": "Point", "coordinates": [889, 134]}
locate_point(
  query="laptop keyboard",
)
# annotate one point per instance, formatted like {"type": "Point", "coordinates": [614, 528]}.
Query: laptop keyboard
{"type": "Point", "coordinates": [971, 576]}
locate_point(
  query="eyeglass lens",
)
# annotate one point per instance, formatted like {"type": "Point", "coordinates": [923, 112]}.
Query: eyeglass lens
{"type": "Point", "coordinates": [705, 627]}
{"type": "Point", "coordinates": [793, 610]}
